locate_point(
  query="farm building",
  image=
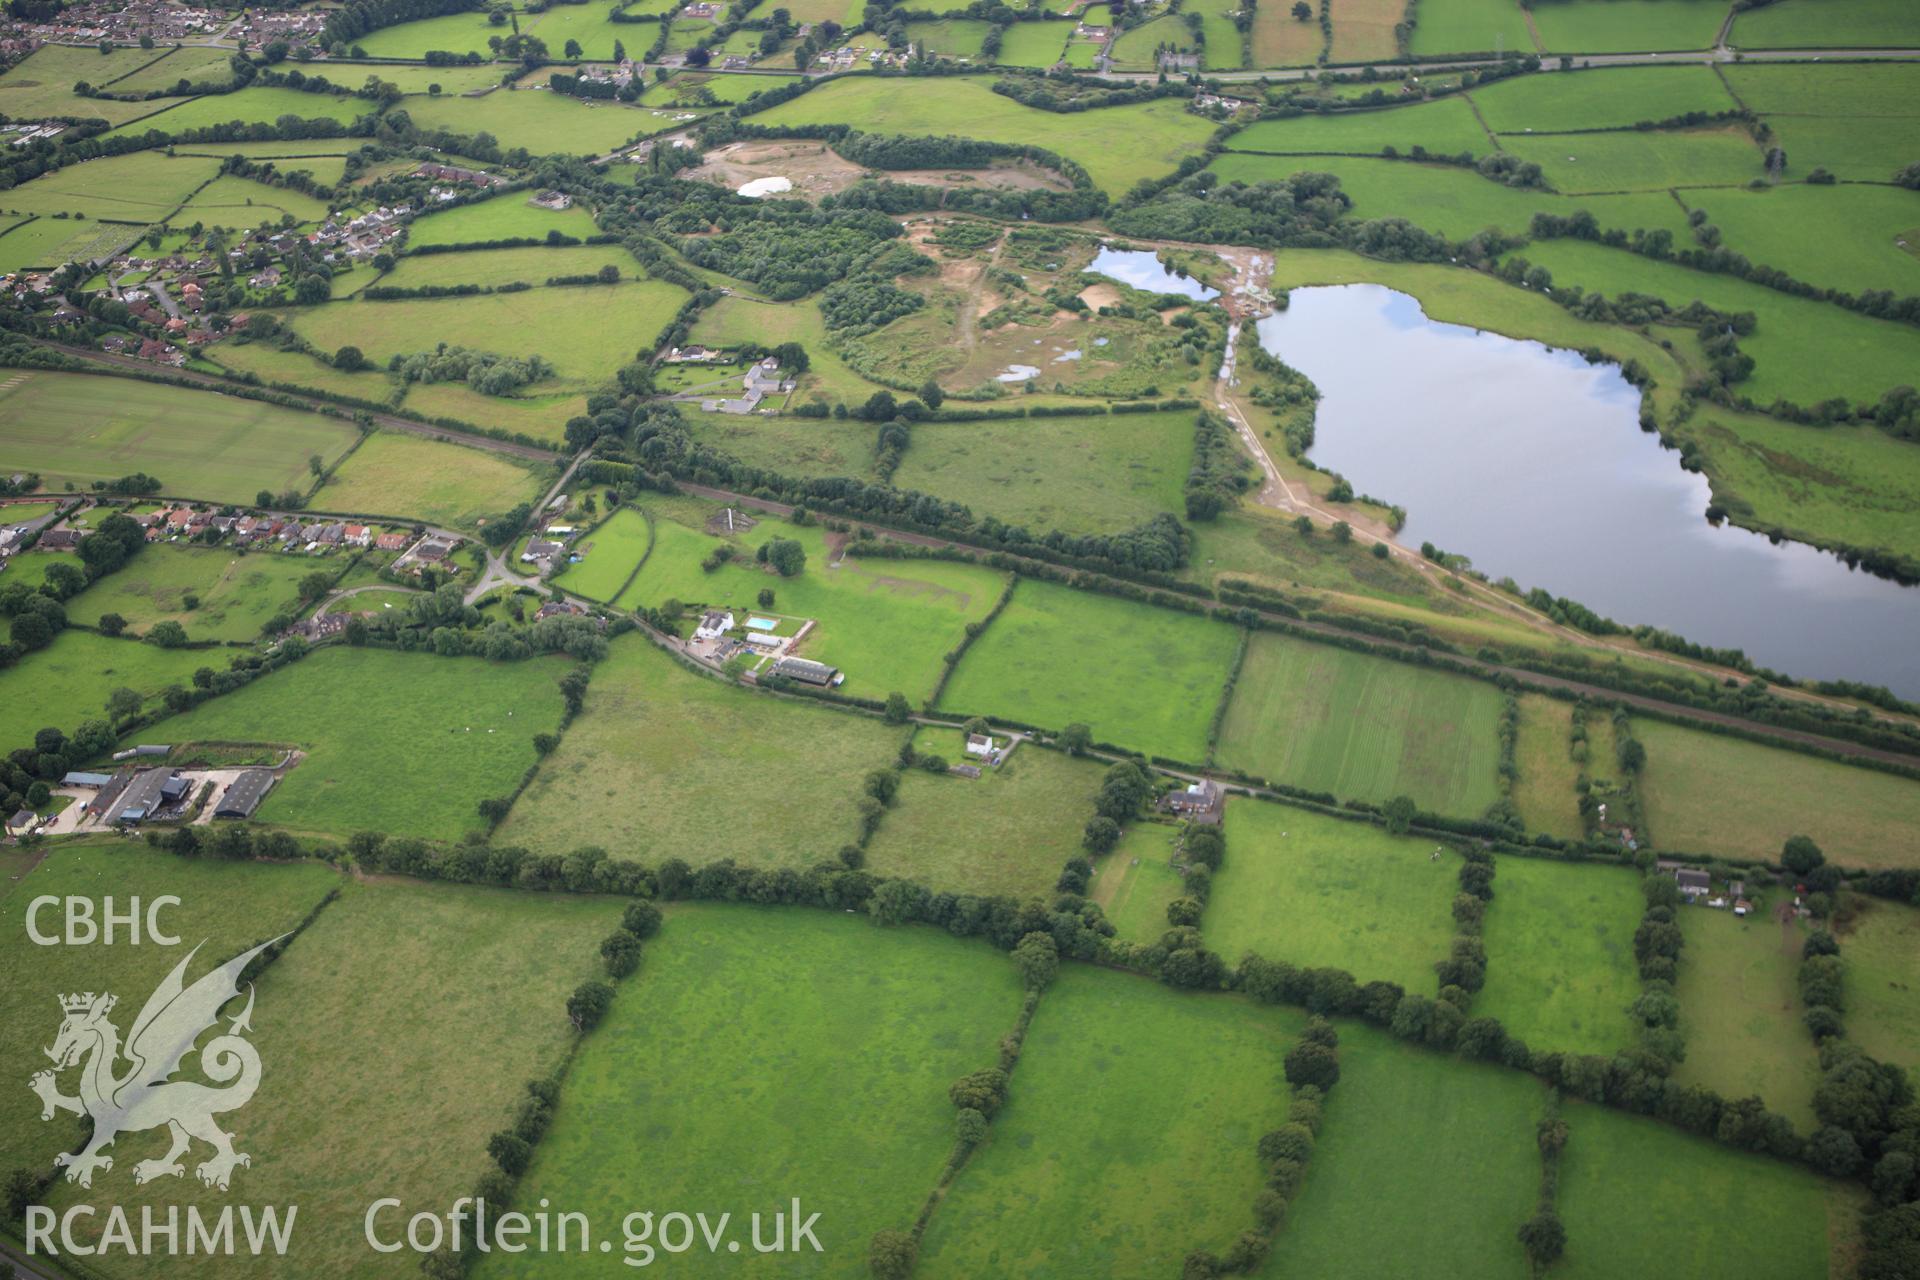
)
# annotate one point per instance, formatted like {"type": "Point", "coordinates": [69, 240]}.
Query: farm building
{"type": "Point", "coordinates": [1199, 802]}
{"type": "Point", "coordinates": [807, 671]}
{"type": "Point", "coordinates": [147, 749]}
{"type": "Point", "coordinates": [141, 795]}
{"type": "Point", "coordinates": [79, 778]}
{"type": "Point", "coordinates": [22, 822]}
{"type": "Point", "coordinates": [243, 794]}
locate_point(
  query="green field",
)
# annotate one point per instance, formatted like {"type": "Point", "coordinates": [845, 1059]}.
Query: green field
{"type": "Point", "coordinates": [493, 267]}
{"type": "Point", "coordinates": [80, 428]}
{"type": "Point", "coordinates": [1469, 26]}
{"type": "Point", "coordinates": [1134, 883]}
{"type": "Point", "coordinates": [1322, 892]}
{"type": "Point", "coordinates": [735, 320]}
{"type": "Point", "coordinates": [1856, 121]}
{"type": "Point", "coordinates": [1803, 350]}
{"type": "Point", "coordinates": [838, 1046]}
{"type": "Point", "coordinates": [570, 327]}
{"type": "Point", "coordinates": [1363, 728]}
{"type": "Point", "coordinates": [1643, 1198]}
{"type": "Point", "coordinates": [611, 552]}
{"type": "Point", "coordinates": [1740, 1010]}
{"type": "Point", "coordinates": [429, 480]}
{"type": "Point", "coordinates": [1121, 1148]}
{"type": "Point", "coordinates": [543, 417]}
{"type": "Point", "coordinates": [481, 1011]}
{"type": "Point", "coordinates": [454, 33]}
{"type": "Point", "coordinates": [1544, 791]}
{"type": "Point", "coordinates": [886, 623]}
{"type": "Point", "coordinates": [1008, 832]}
{"type": "Point", "coordinates": [1560, 965]}
{"type": "Point", "coordinates": [950, 38]}
{"type": "Point", "coordinates": [1033, 44]}
{"type": "Point", "coordinates": [242, 203]}
{"type": "Point", "coordinates": [1453, 201]}
{"type": "Point", "coordinates": [145, 186]}
{"type": "Point", "coordinates": [68, 682]}
{"type": "Point", "coordinates": [664, 763]}
{"type": "Point", "coordinates": [237, 593]}
{"type": "Point", "coordinates": [50, 243]}
{"type": "Point", "coordinates": [1363, 30]}
{"type": "Point", "coordinates": [1711, 794]}
{"type": "Point", "coordinates": [1426, 1167]}
{"type": "Point", "coordinates": [501, 218]}
{"type": "Point", "coordinates": [1096, 474]}
{"type": "Point", "coordinates": [403, 743]}
{"type": "Point", "coordinates": [261, 105]}
{"type": "Point", "coordinates": [1118, 146]}
{"type": "Point", "coordinates": [1817, 24]}
{"type": "Point", "coordinates": [1879, 944]}
{"type": "Point", "coordinates": [1279, 39]}
{"type": "Point", "coordinates": [1611, 98]}
{"type": "Point", "coordinates": [1446, 127]}
{"type": "Point", "coordinates": [1838, 237]}
{"type": "Point", "coordinates": [1630, 160]}
{"type": "Point", "coordinates": [543, 123]}
{"type": "Point", "coordinates": [41, 85]}
{"type": "Point", "coordinates": [230, 906]}
{"type": "Point", "coordinates": [1150, 685]}
{"type": "Point", "coordinates": [1627, 26]}
{"type": "Point", "coordinates": [1849, 484]}
{"type": "Point", "coordinates": [298, 369]}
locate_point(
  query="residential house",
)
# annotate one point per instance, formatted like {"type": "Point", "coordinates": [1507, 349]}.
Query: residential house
{"type": "Point", "coordinates": [980, 744]}
{"type": "Point", "coordinates": [59, 540]}
{"type": "Point", "coordinates": [392, 541]}
{"type": "Point", "coordinates": [541, 552]}
{"type": "Point", "coordinates": [1693, 882]}
{"type": "Point", "coordinates": [1200, 801]}
{"type": "Point", "coordinates": [357, 535]}
{"type": "Point", "coordinates": [713, 625]}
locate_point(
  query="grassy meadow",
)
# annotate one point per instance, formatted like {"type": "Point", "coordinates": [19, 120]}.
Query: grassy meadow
{"type": "Point", "coordinates": [1362, 728]}
{"type": "Point", "coordinates": [1879, 943]}
{"type": "Point", "coordinates": [1445, 126]}
{"type": "Point", "coordinates": [567, 326]}
{"type": "Point", "coordinates": [610, 552]}
{"type": "Point", "coordinates": [490, 268]}
{"type": "Point", "coordinates": [1842, 237]}
{"type": "Point", "coordinates": [1469, 26]}
{"type": "Point", "coordinates": [1560, 964]}
{"type": "Point", "coordinates": [1097, 474]}
{"type": "Point", "coordinates": [665, 763]}
{"type": "Point", "coordinates": [1135, 881]}
{"type": "Point", "coordinates": [1810, 24]}
{"type": "Point", "coordinates": [1740, 1010]}
{"type": "Point", "coordinates": [1627, 26]}
{"type": "Point", "coordinates": [1119, 1150]}
{"type": "Point", "coordinates": [1007, 832]}
{"type": "Point", "coordinates": [886, 623]}
{"type": "Point", "coordinates": [487, 976]}
{"type": "Point", "coordinates": [1609, 98]}
{"type": "Point", "coordinates": [1151, 685]}
{"type": "Point", "coordinates": [1448, 1144]}
{"type": "Point", "coordinates": [1544, 791]}
{"type": "Point", "coordinates": [224, 908]}
{"type": "Point", "coordinates": [543, 123]}
{"type": "Point", "coordinates": [255, 105]}
{"type": "Point", "coordinates": [429, 480]}
{"type": "Point", "coordinates": [1118, 146]}
{"type": "Point", "coordinates": [499, 218]}
{"type": "Point", "coordinates": [1318, 891]}
{"type": "Point", "coordinates": [403, 743]}
{"type": "Point", "coordinates": [1803, 350]}
{"type": "Point", "coordinates": [67, 683]}
{"type": "Point", "coordinates": [41, 84]}
{"type": "Point", "coordinates": [81, 428]}
{"type": "Point", "coordinates": [237, 593]}
{"type": "Point", "coordinates": [1630, 160]}
{"type": "Point", "coordinates": [838, 1046]}
{"type": "Point", "coordinates": [1643, 1198]}
{"type": "Point", "coordinates": [1712, 794]}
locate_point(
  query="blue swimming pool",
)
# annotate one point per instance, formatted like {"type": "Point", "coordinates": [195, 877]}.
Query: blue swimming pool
{"type": "Point", "coordinates": [762, 624]}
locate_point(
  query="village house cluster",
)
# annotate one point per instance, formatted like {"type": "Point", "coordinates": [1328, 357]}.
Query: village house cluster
{"type": "Point", "coordinates": [127, 22]}
{"type": "Point", "coordinates": [259, 27]}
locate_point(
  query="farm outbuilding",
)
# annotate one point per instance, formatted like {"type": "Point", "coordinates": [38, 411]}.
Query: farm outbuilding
{"type": "Point", "coordinates": [244, 794]}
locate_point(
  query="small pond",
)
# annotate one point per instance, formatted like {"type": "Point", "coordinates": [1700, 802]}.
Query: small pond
{"type": "Point", "coordinates": [1532, 462]}
{"type": "Point", "coordinates": [1144, 270]}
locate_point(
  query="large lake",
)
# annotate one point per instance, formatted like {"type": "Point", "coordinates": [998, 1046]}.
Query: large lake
{"type": "Point", "coordinates": [1532, 462]}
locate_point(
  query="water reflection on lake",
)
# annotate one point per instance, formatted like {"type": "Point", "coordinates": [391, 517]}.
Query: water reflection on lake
{"type": "Point", "coordinates": [1531, 461]}
{"type": "Point", "coordinates": [1144, 270]}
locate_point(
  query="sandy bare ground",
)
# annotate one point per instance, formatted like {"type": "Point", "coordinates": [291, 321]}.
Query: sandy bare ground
{"type": "Point", "coordinates": [816, 170]}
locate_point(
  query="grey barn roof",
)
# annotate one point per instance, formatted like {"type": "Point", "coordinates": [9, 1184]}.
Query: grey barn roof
{"type": "Point", "coordinates": [243, 794]}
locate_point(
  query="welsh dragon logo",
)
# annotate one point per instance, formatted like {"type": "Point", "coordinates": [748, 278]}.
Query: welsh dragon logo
{"type": "Point", "coordinates": [142, 1095]}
